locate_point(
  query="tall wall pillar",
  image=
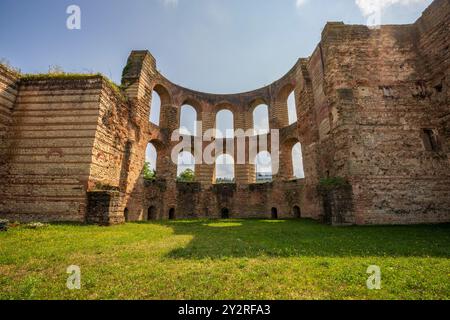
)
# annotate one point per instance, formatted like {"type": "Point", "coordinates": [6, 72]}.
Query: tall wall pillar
{"type": "Point", "coordinates": [204, 171]}
{"type": "Point", "coordinates": [137, 79]}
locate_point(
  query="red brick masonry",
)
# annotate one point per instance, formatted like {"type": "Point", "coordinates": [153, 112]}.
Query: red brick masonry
{"type": "Point", "coordinates": [372, 107]}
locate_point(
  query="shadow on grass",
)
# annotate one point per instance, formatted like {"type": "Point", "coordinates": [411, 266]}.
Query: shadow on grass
{"type": "Point", "coordinates": [295, 238]}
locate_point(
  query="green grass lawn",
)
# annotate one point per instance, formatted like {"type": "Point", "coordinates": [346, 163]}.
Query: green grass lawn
{"type": "Point", "coordinates": [235, 259]}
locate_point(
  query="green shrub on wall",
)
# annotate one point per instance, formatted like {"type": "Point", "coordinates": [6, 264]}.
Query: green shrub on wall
{"type": "Point", "coordinates": [187, 176]}
{"type": "Point", "coordinates": [149, 174]}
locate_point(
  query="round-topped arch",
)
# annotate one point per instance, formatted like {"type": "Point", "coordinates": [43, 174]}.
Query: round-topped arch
{"type": "Point", "coordinates": [291, 160]}
{"type": "Point", "coordinates": [225, 121]}
{"type": "Point", "coordinates": [160, 98]}
{"type": "Point", "coordinates": [193, 102]}
{"type": "Point", "coordinates": [259, 110]}
{"type": "Point", "coordinates": [285, 112]}
{"type": "Point", "coordinates": [190, 111]}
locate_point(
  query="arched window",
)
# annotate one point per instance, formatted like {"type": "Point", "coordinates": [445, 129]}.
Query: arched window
{"type": "Point", "coordinates": [297, 162]}
{"type": "Point", "coordinates": [263, 165]}
{"type": "Point", "coordinates": [151, 157]}
{"type": "Point", "coordinates": [155, 108]}
{"type": "Point", "coordinates": [261, 119]}
{"type": "Point", "coordinates": [292, 109]}
{"type": "Point", "coordinates": [188, 121]}
{"type": "Point", "coordinates": [224, 124]}
{"type": "Point", "coordinates": [224, 169]}
{"type": "Point", "coordinates": [186, 161]}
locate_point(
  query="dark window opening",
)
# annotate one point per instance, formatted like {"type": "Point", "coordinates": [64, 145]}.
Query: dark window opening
{"type": "Point", "coordinates": [172, 214]}
{"type": "Point", "coordinates": [225, 213]}
{"type": "Point", "coordinates": [274, 213]}
{"type": "Point", "coordinates": [125, 213]}
{"type": "Point", "coordinates": [430, 140]}
{"type": "Point", "coordinates": [151, 214]}
{"type": "Point", "coordinates": [438, 88]}
{"type": "Point", "coordinates": [297, 212]}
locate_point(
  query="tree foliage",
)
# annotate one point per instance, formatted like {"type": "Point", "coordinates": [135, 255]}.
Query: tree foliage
{"type": "Point", "coordinates": [187, 176]}
{"type": "Point", "coordinates": [149, 174]}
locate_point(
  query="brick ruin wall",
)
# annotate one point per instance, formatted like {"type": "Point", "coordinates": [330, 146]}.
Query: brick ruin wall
{"type": "Point", "coordinates": [399, 80]}
{"type": "Point", "coordinates": [47, 148]}
{"type": "Point", "coordinates": [73, 149]}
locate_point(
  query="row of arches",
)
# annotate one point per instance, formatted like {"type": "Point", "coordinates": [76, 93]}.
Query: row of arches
{"type": "Point", "coordinates": [224, 166]}
{"type": "Point", "coordinates": [297, 213]}
{"type": "Point", "coordinates": [224, 118]}
{"type": "Point", "coordinates": [152, 213]}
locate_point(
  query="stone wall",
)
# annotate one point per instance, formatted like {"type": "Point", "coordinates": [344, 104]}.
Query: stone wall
{"type": "Point", "coordinates": [196, 200]}
{"type": "Point", "coordinates": [104, 208]}
{"type": "Point", "coordinates": [49, 149]}
{"type": "Point", "coordinates": [8, 94]}
{"type": "Point", "coordinates": [372, 108]}
{"type": "Point", "coordinates": [384, 88]}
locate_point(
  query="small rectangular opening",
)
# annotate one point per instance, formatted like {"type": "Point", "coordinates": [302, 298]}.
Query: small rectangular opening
{"type": "Point", "coordinates": [430, 140]}
{"type": "Point", "coordinates": [438, 88]}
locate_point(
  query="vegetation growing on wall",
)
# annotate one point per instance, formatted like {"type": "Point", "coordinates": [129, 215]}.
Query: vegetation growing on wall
{"type": "Point", "coordinates": [5, 63]}
{"type": "Point", "coordinates": [126, 69]}
{"type": "Point", "coordinates": [58, 73]}
{"type": "Point", "coordinates": [62, 76]}
{"type": "Point", "coordinates": [186, 176]}
{"type": "Point", "coordinates": [149, 174]}
{"type": "Point", "coordinates": [225, 181]}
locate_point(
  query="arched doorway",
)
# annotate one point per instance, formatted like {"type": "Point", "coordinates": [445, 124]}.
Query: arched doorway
{"type": "Point", "coordinates": [125, 213]}
{"type": "Point", "coordinates": [297, 212]}
{"type": "Point", "coordinates": [225, 213]}
{"type": "Point", "coordinates": [274, 213]}
{"type": "Point", "coordinates": [172, 214]}
{"type": "Point", "coordinates": [151, 214]}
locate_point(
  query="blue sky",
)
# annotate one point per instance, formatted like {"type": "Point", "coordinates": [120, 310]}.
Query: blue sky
{"type": "Point", "coordinates": [220, 46]}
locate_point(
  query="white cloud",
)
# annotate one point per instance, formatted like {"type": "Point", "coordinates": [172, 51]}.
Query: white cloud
{"type": "Point", "coordinates": [300, 3]}
{"type": "Point", "coordinates": [369, 7]}
{"type": "Point", "coordinates": [170, 3]}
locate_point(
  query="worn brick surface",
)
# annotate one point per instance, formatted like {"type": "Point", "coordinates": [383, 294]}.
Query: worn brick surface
{"type": "Point", "coordinates": [74, 149]}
